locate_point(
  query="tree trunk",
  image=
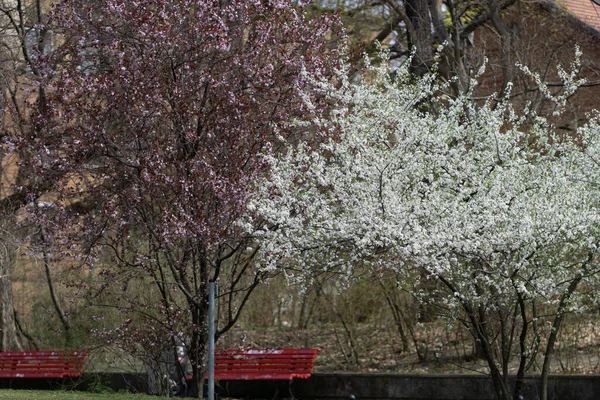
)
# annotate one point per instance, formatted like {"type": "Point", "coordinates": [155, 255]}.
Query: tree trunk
{"type": "Point", "coordinates": [417, 12]}
{"type": "Point", "coordinates": [498, 380]}
{"type": "Point", "coordinates": [506, 50]}
{"type": "Point", "coordinates": [197, 354]}
{"type": "Point", "coordinates": [522, 348]}
{"type": "Point", "coordinates": [399, 318]}
{"type": "Point", "coordinates": [8, 329]}
{"type": "Point", "coordinates": [560, 313]}
{"type": "Point", "coordinates": [51, 287]}
{"type": "Point", "coordinates": [199, 342]}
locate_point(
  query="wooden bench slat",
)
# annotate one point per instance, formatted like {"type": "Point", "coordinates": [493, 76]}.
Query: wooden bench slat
{"type": "Point", "coordinates": [266, 376]}
{"type": "Point", "coordinates": [289, 374]}
{"type": "Point", "coordinates": [240, 369]}
{"type": "Point", "coordinates": [270, 353]}
{"type": "Point", "coordinates": [227, 361]}
{"type": "Point", "coordinates": [255, 360]}
{"type": "Point", "coordinates": [253, 368]}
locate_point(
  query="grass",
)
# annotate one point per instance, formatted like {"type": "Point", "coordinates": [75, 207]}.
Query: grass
{"type": "Point", "coordinates": [68, 395]}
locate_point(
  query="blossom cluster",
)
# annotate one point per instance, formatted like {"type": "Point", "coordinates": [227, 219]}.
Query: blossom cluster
{"type": "Point", "coordinates": [490, 199]}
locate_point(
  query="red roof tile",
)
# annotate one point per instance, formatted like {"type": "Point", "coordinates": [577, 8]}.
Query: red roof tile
{"type": "Point", "coordinates": [586, 11]}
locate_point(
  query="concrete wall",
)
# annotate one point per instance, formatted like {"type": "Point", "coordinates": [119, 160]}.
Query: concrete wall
{"type": "Point", "coordinates": [435, 387]}
{"type": "Point", "coordinates": [334, 386]}
{"type": "Point", "coordinates": [409, 387]}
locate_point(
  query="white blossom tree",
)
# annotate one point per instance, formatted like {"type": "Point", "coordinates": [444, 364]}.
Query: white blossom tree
{"type": "Point", "coordinates": [487, 200]}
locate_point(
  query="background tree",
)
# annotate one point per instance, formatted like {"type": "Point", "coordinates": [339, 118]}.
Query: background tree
{"type": "Point", "coordinates": [150, 140]}
{"type": "Point", "coordinates": [538, 34]}
{"type": "Point", "coordinates": [423, 25]}
{"type": "Point", "coordinates": [22, 43]}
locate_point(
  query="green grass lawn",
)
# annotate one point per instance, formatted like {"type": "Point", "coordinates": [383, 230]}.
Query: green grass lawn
{"type": "Point", "coordinates": [71, 395]}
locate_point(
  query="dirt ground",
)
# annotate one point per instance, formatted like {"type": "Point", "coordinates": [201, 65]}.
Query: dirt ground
{"type": "Point", "coordinates": [442, 351]}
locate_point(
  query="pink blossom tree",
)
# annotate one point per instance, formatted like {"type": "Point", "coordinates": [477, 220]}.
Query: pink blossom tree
{"type": "Point", "coordinates": [156, 117]}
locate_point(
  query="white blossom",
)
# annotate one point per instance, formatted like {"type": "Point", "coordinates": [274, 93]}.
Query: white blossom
{"type": "Point", "coordinates": [485, 196]}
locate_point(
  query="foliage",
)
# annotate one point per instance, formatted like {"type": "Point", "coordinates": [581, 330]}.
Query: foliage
{"type": "Point", "coordinates": [486, 199]}
{"type": "Point", "coordinates": [99, 387]}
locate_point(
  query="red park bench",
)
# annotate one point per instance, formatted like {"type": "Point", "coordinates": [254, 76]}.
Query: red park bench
{"type": "Point", "coordinates": [42, 364]}
{"type": "Point", "coordinates": [269, 364]}
{"type": "Point", "coordinates": [243, 373]}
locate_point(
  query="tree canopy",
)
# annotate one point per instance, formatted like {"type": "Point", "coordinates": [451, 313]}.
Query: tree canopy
{"type": "Point", "coordinates": [148, 140]}
{"type": "Point", "coordinates": [490, 201]}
